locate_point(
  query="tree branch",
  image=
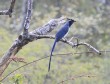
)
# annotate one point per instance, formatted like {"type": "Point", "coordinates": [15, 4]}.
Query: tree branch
{"type": "Point", "coordinates": [29, 64]}
{"type": "Point", "coordinates": [22, 40]}
{"type": "Point", "coordinates": [24, 11]}
{"type": "Point", "coordinates": [67, 42]}
{"type": "Point", "coordinates": [10, 10]}
{"type": "Point", "coordinates": [16, 46]}
{"type": "Point", "coordinates": [75, 77]}
{"type": "Point", "coordinates": [27, 17]}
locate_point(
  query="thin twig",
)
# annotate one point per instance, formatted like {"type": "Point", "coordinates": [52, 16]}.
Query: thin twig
{"type": "Point", "coordinates": [75, 77]}
{"type": "Point", "coordinates": [18, 59]}
{"type": "Point", "coordinates": [30, 63]}
{"type": "Point", "coordinates": [11, 8]}
{"type": "Point", "coordinates": [101, 51]}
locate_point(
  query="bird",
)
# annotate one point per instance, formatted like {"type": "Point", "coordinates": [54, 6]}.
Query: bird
{"type": "Point", "coordinates": [59, 35]}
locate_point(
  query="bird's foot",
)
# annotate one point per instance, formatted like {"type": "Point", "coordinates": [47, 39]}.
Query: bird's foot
{"type": "Point", "coordinates": [65, 39]}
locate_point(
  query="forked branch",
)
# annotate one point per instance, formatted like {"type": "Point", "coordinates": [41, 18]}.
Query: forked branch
{"type": "Point", "coordinates": [10, 10]}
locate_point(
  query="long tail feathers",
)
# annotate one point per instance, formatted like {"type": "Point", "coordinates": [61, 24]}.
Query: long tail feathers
{"type": "Point", "coordinates": [51, 55]}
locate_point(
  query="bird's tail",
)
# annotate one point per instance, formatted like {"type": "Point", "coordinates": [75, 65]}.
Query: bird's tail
{"type": "Point", "coordinates": [51, 55]}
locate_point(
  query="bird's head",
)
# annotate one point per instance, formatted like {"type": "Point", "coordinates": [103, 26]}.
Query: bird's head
{"type": "Point", "coordinates": [71, 21]}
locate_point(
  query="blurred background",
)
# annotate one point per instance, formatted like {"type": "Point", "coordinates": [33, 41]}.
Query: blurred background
{"type": "Point", "coordinates": [92, 26]}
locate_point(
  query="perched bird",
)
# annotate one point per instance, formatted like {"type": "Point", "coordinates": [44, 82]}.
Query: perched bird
{"type": "Point", "coordinates": [60, 34]}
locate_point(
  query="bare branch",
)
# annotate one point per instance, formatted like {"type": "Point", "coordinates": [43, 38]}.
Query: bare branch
{"type": "Point", "coordinates": [75, 77]}
{"type": "Point", "coordinates": [31, 63]}
{"type": "Point", "coordinates": [10, 10]}
{"type": "Point", "coordinates": [101, 52]}
{"type": "Point", "coordinates": [4, 12]}
{"type": "Point", "coordinates": [18, 59]}
{"type": "Point", "coordinates": [22, 41]}
{"type": "Point", "coordinates": [27, 17]}
{"type": "Point", "coordinates": [91, 47]}
{"type": "Point", "coordinates": [16, 46]}
{"type": "Point", "coordinates": [66, 41]}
